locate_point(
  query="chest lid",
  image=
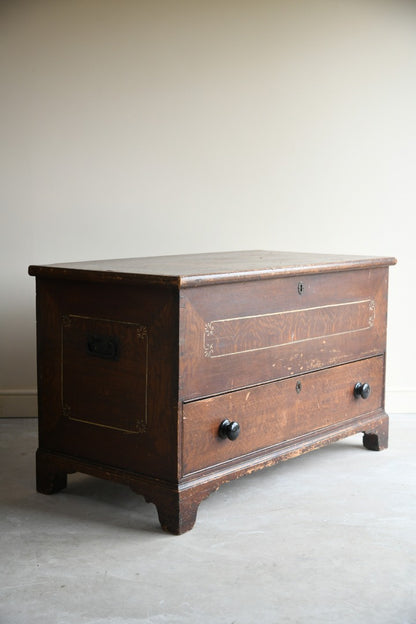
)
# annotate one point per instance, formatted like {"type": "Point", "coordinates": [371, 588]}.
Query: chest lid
{"type": "Point", "coordinates": [192, 270]}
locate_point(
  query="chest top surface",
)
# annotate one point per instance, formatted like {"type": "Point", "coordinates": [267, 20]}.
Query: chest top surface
{"type": "Point", "coordinates": [207, 268]}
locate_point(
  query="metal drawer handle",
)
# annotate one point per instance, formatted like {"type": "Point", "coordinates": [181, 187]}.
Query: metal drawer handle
{"type": "Point", "coordinates": [230, 430]}
{"type": "Point", "coordinates": [362, 390]}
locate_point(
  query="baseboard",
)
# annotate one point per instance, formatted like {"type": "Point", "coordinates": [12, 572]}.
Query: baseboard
{"type": "Point", "coordinates": [401, 400]}
{"type": "Point", "coordinates": [23, 403]}
{"type": "Point", "coordinates": [18, 404]}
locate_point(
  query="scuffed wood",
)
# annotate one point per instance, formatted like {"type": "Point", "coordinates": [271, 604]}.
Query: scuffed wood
{"type": "Point", "coordinates": [211, 268]}
{"type": "Point", "coordinates": [237, 335]}
{"type": "Point", "coordinates": [272, 413]}
{"type": "Point", "coordinates": [141, 359]}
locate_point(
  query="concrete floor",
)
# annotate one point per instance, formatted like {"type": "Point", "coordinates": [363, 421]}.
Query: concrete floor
{"type": "Point", "coordinates": [329, 537]}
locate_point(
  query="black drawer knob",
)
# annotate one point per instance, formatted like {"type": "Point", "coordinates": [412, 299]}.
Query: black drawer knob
{"type": "Point", "coordinates": [362, 390]}
{"type": "Point", "coordinates": [228, 429]}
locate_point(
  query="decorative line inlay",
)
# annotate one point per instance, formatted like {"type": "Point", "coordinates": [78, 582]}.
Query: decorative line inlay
{"type": "Point", "coordinates": [141, 426]}
{"type": "Point", "coordinates": [372, 307]}
{"type": "Point", "coordinates": [245, 334]}
{"type": "Point", "coordinates": [80, 325]}
{"type": "Point", "coordinates": [66, 320]}
{"type": "Point", "coordinates": [141, 332]}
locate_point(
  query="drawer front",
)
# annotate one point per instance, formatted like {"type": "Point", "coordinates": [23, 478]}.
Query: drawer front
{"type": "Point", "coordinates": [236, 335]}
{"type": "Point", "coordinates": [275, 412]}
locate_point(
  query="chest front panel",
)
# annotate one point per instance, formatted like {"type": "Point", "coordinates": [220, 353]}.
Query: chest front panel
{"type": "Point", "coordinates": [241, 334]}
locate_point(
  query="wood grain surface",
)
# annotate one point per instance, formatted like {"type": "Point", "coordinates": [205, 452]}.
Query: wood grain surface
{"type": "Point", "coordinates": [240, 334]}
{"type": "Point", "coordinates": [141, 359]}
{"type": "Point", "coordinates": [272, 413]}
{"type": "Point", "coordinates": [190, 270]}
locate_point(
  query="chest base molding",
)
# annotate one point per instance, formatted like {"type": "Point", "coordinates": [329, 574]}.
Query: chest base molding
{"type": "Point", "coordinates": [177, 504]}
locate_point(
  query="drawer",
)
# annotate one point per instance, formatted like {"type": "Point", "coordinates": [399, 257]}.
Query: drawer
{"type": "Point", "coordinates": [241, 334]}
{"type": "Point", "coordinates": [272, 413]}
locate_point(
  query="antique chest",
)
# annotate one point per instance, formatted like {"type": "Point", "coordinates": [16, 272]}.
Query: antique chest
{"type": "Point", "coordinates": [176, 374]}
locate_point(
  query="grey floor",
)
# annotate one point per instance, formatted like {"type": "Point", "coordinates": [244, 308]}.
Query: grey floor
{"type": "Point", "coordinates": [329, 537]}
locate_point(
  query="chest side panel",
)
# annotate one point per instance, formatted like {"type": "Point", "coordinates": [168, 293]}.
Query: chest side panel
{"type": "Point", "coordinates": [241, 334]}
{"type": "Point", "coordinates": [108, 373]}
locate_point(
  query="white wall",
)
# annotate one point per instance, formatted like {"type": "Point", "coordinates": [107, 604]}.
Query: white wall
{"type": "Point", "coordinates": [132, 128]}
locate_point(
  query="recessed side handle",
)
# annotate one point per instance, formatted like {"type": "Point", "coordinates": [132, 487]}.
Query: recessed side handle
{"type": "Point", "coordinates": [106, 347]}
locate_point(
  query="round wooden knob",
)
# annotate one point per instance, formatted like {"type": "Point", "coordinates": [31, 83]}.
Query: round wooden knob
{"type": "Point", "coordinates": [228, 429]}
{"type": "Point", "coordinates": [362, 390]}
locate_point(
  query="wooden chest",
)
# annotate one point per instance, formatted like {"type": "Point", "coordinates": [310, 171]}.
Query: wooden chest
{"type": "Point", "coordinates": [176, 374]}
